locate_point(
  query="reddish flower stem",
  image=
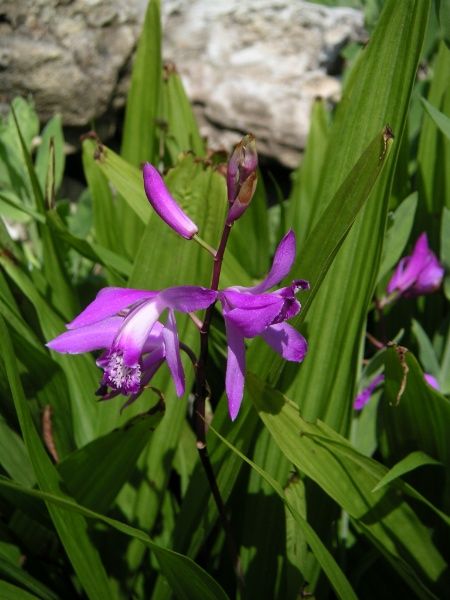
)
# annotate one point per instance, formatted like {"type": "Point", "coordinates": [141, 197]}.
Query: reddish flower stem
{"type": "Point", "coordinates": [201, 394]}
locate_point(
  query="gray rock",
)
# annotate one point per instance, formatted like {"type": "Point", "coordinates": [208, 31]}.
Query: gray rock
{"type": "Point", "coordinates": [257, 65]}
{"type": "Point", "coordinates": [248, 65]}
{"type": "Point", "coordinates": [69, 55]}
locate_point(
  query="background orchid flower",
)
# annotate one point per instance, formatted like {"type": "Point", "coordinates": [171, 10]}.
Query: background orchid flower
{"type": "Point", "coordinates": [125, 323]}
{"type": "Point", "coordinates": [366, 393]}
{"type": "Point", "coordinates": [165, 205]}
{"type": "Point", "coordinates": [420, 273]}
{"type": "Point", "coordinates": [250, 311]}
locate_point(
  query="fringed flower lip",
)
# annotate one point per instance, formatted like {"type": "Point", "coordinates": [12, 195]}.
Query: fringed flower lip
{"type": "Point", "coordinates": [251, 311]}
{"type": "Point", "coordinates": [124, 322]}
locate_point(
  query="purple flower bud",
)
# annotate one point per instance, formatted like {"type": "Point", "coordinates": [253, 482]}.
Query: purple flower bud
{"type": "Point", "coordinates": [163, 203]}
{"type": "Point", "coordinates": [241, 177]}
{"type": "Point", "coordinates": [420, 273]}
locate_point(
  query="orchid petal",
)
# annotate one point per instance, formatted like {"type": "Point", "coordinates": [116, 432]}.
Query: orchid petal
{"type": "Point", "coordinates": [234, 378]}
{"type": "Point", "coordinates": [108, 302]}
{"type": "Point", "coordinates": [135, 330]}
{"type": "Point", "coordinates": [281, 264]}
{"type": "Point", "coordinates": [173, 358]}
{"type": "Point", "coordinates": [86, 339]}
{"type": "Point", "coordinates": [430, 277]}
{"type": "Point", "coordinates": [287, 341]}
{"type": "Point", "coordinates": [187, 298]}
{"type": "Point", "coordinates": [163, 203]}
{"type": "Point", "coordinates": [253, 313]}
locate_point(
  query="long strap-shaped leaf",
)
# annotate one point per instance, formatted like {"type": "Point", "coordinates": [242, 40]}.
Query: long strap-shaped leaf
{"type": "Point", "coordinates": [71, 528]}
{"type": "Point", "coordinates": [187, 580]}
{"type": "Point", "coordinates": [336, 577]}
{"type": "Point", "coordinates": [350, 478]}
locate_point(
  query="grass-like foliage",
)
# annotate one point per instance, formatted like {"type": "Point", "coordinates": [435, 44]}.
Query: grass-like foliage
{"type": "Point", "coordinates": [332, 477]}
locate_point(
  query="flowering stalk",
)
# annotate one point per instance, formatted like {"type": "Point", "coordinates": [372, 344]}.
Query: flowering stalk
{"type": "Point", "coordinates": [201, 394]}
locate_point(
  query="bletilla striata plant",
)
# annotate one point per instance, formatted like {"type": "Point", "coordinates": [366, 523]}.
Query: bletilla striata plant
{"type": "Point", "coordinates": [135, 339]}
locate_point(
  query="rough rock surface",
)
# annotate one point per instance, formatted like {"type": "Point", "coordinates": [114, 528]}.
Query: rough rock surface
{"type": "Point", "coordinates": [257, 65]}
{"type": "Point", "coordinates": [68, 54]}
{"type": "Point", "coordinates": [248, 65]}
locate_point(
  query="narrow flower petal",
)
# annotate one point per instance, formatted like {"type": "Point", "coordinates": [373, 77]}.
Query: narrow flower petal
{"type": "Point", "coordinates": [287, 341]}
{"type": "Point", "coordinates": [173, 357]}
{"type": "Point", "coordinates": [86, 339]}
{"type": "Point", "coordinates": [188, 298]}
{"type": "Point", "coordinates": [234, 378]}
{"type": "Point", "coordinates": [281, 265]}
{"type": "Point", "coordinates": [108, 302]}
{"type": "Point", "coordinates": [163, 203]}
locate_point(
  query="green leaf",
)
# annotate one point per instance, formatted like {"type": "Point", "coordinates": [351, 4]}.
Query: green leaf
{"type": "Point", "coordinates": [349, 478]}
{"type": "Point", "coordinates": [443, 13]}
{"type": "Point", "coordinates": [94, 252]}
{"type": "Point", "coordinates": [140, 140]}
{"type": "Point", "coordinates": [13, 456]}
{"type": "Point", "coordinates": [407, 464]}
{"type": "Point", "coordinates": [8, 591]}
{"type": "Point", "coordinates": [336, 577]}
{"type": "Point", "coordinates": [52, 134]}
{"type": "Point", "coordinates": [440, 120]}
{"type": "Point", "coordinates": [187, 580]}
{"type": "Point", "coordinates": [303, 204]}
{"type": "Point", "coordinates": [181, 132]}
{"type": "Point", "coordinates": [95, 473]}
{"type": "Point", "coordinates": [15, 573]}
{"type": "Point", "coordinates": [427, 353]}
{"type": "Point", "coordinates": [397, 234]}
{"type": "Point", "coordinates": [418, 417]}
{"type": "Point", "coordinates": [104, 204]}
{"type": "Point", "coordinates": [58, 288]}
{"type": "Point", "coordinates": [445, 249]}
{"type": "Point", "coordinates": [71, 528]}
{"type": "Point", "coordinates": [82, 375]}
{"type": "Point", "coordinates": [126, 179]}
{"type": "Point", "coordinates": [434, 148]}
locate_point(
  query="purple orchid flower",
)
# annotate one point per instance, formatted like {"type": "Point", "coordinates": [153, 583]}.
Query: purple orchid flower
{"type": "Point", "coordinates": [124, 322]}
{"type": "Point", "coordinates": [365, 394]}
{"type": "Point", "coordinates": [163, 203]}
{"type": "Point", "coordinates": [250, 311]}
{"type": "Point", "coordinates": [420, 273]}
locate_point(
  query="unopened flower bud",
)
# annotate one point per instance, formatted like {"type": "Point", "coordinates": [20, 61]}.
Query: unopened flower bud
{"type": "Point", "coordinates": [243, 198]}
{"type": "Point", "coordinates": [163, 203]}
{"type": "Point", "coordinates": [241, 172]}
